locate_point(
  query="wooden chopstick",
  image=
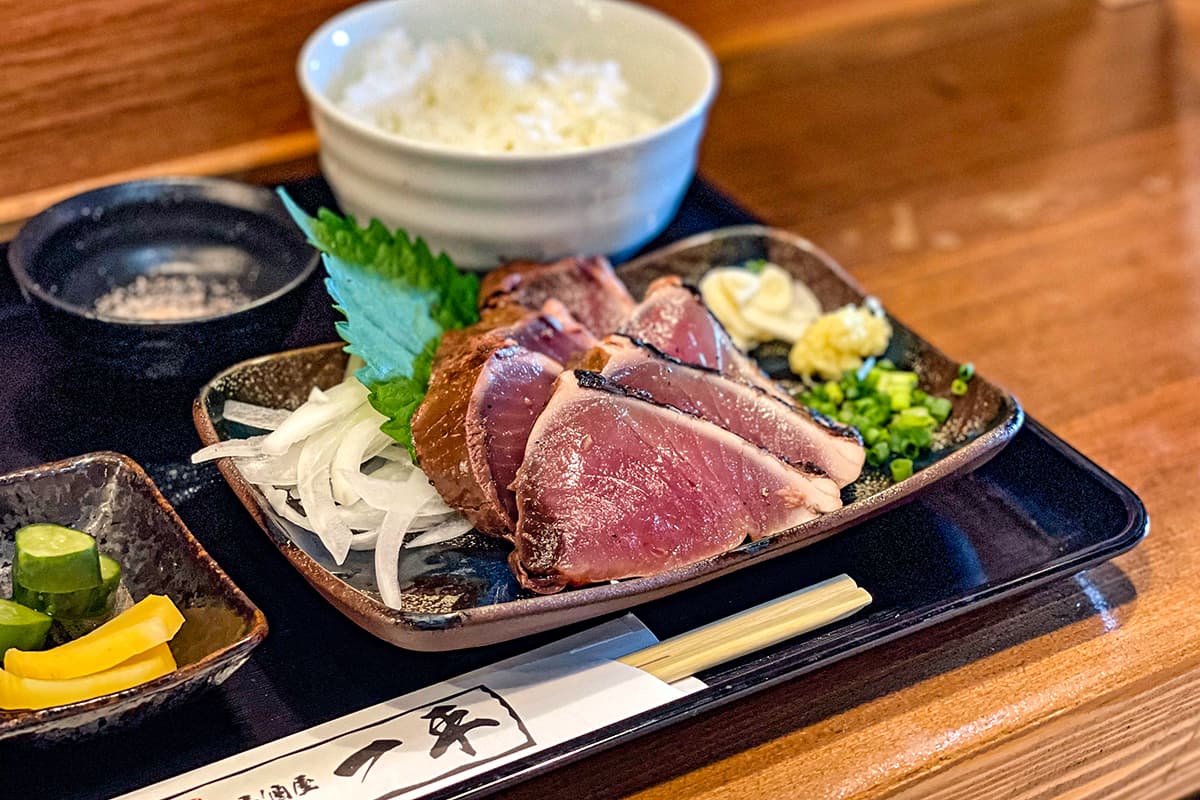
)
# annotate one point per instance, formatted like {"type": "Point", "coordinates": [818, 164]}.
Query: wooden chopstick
{"type": "Point", "coordinates": [753, 629]}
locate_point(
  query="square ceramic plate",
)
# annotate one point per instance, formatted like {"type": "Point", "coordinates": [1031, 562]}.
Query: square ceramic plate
{"type": "Point", "coordinates": [110, 497]}
{"type": "Point", "coordinates": [461, 594]}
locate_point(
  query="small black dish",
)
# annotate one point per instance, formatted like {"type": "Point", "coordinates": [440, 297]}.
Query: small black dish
{"type": "Point", "coordinates": [111, 497]}
{"type": "Point", "coordinates": [230, 248]}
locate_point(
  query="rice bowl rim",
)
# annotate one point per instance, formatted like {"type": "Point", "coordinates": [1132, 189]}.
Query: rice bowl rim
{"type": "Point", "coordinates": [325, 106]}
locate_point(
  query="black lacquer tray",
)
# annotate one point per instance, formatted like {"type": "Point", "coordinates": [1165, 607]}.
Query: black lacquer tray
{"type": "Point", "coordinates": [1037, 511]}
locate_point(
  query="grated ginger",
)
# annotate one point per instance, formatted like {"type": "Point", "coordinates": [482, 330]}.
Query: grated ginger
{"type": "Point", "coordinates": [839, 341]}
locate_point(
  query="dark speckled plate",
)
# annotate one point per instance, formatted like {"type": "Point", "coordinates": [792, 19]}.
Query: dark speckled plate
{"type": "Point", "coordinates": [461, 594]}
{"type": "Point", "coordinates": [109, 496]}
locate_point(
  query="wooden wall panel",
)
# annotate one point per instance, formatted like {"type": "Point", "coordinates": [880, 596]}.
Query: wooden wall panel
{"type": "Point", "coordinates": [91, 87]}
{"type": "Point", "coordinates": [100, 90]}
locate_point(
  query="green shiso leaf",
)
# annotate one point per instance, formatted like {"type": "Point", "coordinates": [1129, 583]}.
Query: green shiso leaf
{"type": "Point", "coordinates": [397, 299]}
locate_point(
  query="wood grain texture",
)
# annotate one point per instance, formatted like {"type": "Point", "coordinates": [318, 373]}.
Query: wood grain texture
{"type": "Point", "coordinates": [1019, 181]}
{"type": "Point", "coordinates": [92, 90]}
{"type": "Point", "coordinates": [91, 87]}
{"type": "Point", "coordinates": [266, 160]}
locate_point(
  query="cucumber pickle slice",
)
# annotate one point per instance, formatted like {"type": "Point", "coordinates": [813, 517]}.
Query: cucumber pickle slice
{"type": "Point", "coordinates": [54, 558]}
{"type": "Point", "coordinates": [21, 627]}
{"type": "Point", "coordinates": [78, 604]}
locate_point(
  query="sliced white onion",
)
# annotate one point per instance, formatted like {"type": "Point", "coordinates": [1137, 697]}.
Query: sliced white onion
{"type": "Point", "coordinates": [310, 470]}
{"type": "Point", "coordinates": [360, 443]}
{"type": "Point", "coordinates": [387, 558]}
{"type": "Point", "coordinates": [250, 446]}
{"type": "Point", "coordinates": [365, 540]}
{"type": "Point", "coordinates": [307, 541]}
{"type": "Point", "coordinates": [389, 542]}
{"type": "Point", "coordinates": [360, 516]}
{"type": "Point", "coordinates": [395, 452]}
{"type": "Point", "coordinates": [394, 470]}
{"type": "Point", "coordinates": [267, 419]}
{"type": "Point", "coordinates": [434, 505]}
{"type": "Point", "coordinates": [413, 492]}
{"type": "Point", "coordinates": [316, 493]}
{"type": "Point", "coordinates": [278, 499]}
{"type": "Point", "coordinates": [273, 470]}
{"type": "Point", "coordinates": [432, 513]}
{"type": "Point", "coordinates": [450, 529]}
{"type": "Point", "coordinates": [313, 416]}
{"type": "Point", "coordinates": [423, 522]}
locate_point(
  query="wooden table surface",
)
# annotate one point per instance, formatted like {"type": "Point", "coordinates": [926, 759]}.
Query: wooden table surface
{"type": "Point", "coordinates": [1020, 182]}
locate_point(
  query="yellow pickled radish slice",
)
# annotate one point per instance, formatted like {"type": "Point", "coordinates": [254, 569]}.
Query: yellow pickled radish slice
{"type": "Point", "coordinates": [148, 623]}
{"type": "Point", "coordinates": [774, 294]}
{"type": "Point", "coordinates": [21, 692]}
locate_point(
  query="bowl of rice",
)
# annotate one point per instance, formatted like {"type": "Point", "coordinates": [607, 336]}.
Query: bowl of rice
{"type": "Point", "coordinates": [510, 129]}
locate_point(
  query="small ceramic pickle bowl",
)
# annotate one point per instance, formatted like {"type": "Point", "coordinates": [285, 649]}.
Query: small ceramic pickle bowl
{"type": "Point", "coordinates": [166, 278]}
{"type": "Point", "coordinates": [110, 497]}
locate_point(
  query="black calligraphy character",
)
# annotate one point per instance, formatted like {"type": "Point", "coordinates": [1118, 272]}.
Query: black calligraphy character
{"type": "Point", "coordinates": [364, 757]}
{"type": "Point", "coordinates": [303, 784]}
{"type": "Point", "coordinates": [278, 792]}
{"type": "Point", "coordinates": [446, 723]}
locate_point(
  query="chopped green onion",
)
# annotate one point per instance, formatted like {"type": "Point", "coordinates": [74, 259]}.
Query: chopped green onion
{"type": "Point", "coordinates": [966, 370]}
{"type": "Point", "coordinates": [896, 419]}
{"type": "Point", "coordinates": [834, 393]}
{"type": "Point", "coordinates": [958, 387]}
{"type": "Point", "coordinates": [897, 381]}
{"type": "Point", "coordinates": [914, 417]}
{"type": "Point", "coordinates": [939, 407]}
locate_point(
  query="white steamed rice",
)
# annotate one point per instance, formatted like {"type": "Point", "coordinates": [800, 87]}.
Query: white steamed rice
{"type": "Point", "coordinates": [461, 93]}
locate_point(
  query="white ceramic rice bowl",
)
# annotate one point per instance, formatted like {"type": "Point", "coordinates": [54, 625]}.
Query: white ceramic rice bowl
{"type": "Point", "coordinates": [487, 208]}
